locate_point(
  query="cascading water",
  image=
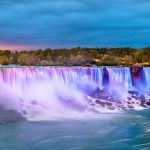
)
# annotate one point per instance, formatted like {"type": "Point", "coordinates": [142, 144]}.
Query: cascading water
{"type": "Point", "coordinates": [120, 77]}
{"type": "Point", "coordinates": [147, 76]}
{"type": "Point", "coordinates": [67, 91]}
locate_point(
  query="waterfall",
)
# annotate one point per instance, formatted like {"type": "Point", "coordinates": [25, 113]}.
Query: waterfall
{"type": "Point", "coordinates": [18, 78]}
{"type": "Point", "coordinates": [120, 77]}
{"type": "Point", "coordinates": [59, 90]}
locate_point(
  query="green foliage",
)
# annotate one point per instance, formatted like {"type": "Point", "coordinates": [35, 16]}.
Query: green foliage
{"type": "Point", "coordinates": [77, 56]}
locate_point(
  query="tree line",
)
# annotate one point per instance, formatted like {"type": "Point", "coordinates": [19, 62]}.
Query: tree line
{"type": "Point", "coordinates": [77, 57]}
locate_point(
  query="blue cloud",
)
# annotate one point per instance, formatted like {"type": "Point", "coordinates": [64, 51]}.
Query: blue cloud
{"type": "Point", "coordinates": [63, 23]}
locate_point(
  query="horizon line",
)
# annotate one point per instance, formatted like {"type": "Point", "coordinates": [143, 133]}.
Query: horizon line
{"type": "Point", "coordinates": [81, 47]}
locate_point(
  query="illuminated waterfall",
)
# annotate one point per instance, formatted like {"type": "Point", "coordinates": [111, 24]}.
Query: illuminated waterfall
{"type": "Point", "coordinates": [61, 90]}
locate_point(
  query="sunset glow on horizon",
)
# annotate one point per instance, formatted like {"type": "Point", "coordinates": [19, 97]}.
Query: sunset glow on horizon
{"type": "Point", "coordinates": [19, 47]}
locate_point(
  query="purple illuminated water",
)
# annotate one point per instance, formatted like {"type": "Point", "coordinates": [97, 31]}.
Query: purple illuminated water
{"type": "Point", "coordinates": [51, 92]}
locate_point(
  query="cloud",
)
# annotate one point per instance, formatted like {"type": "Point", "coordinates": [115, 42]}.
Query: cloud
{"type": "Point", "coordinates": [67, 23]}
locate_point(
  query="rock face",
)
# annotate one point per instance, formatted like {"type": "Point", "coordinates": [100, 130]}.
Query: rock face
{"type": "Point", "coordinates": [9, 115]}
{"type": "Point", "coordinates": [98, 93]}
{"type": "Point", "coordinates": [105, 80]}
{"type": "Point", "coordinates": [110, 100]}
{"type": "Point", "coordinates": [138, 77]}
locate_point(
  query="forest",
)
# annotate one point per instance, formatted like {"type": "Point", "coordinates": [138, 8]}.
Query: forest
{"type": "Point", "coordinates": [77, 57]}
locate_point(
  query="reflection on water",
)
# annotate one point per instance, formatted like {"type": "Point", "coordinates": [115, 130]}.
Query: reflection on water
{"type": "Point", "coordinates": [130, 131]}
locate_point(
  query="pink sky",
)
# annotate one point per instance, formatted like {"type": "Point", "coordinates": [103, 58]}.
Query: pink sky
{"type": "Point", "coordinates": [19, 47]}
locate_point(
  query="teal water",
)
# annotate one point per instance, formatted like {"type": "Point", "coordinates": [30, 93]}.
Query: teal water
{"type": "Point", "coordinates": [128, 131]}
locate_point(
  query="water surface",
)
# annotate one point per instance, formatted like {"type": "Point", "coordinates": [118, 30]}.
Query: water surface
{"type": "Point", "coordinates": [126, 131]}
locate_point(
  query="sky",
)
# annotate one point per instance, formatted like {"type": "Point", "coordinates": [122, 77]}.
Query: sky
{"type": "Point", "coordinates": [33, 24]}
